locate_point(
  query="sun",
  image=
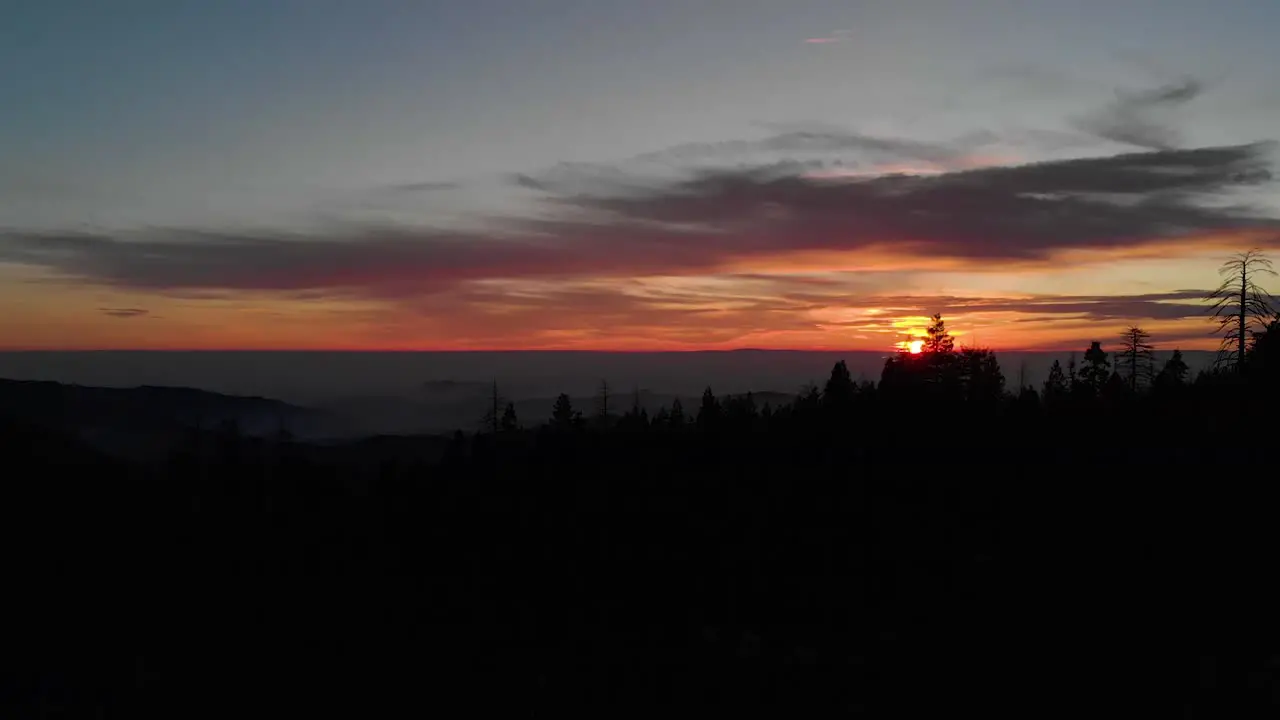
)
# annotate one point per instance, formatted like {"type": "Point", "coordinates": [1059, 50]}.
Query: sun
{"type": "Point", "coordinates": [915, 346]}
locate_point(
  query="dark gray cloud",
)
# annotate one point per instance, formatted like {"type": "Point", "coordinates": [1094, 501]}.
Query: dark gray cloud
{"type": "Point", "coordinates": [699, 223]}
{"type": "Point", "coordinates": [374, 261]}
{"type": "Point", "coordinates": [1131, 119]}
{"type": "Point", "coordinates": [125, 313]}
{"type": "Point", "coordinates": [1016, 212]}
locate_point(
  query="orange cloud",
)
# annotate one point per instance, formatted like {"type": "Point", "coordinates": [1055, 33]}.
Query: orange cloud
{"type": "Point", "coordinates": [729, 257]}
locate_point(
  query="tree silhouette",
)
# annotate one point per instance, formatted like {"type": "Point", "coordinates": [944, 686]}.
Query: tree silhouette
{"type": "Point", "coordinates": [1174, 372]}
{"type": "Point", "coordinates": [709, 410]}
{"type": "Point", "coordinates": [1116, 387]}
{"type": "Point", "coordinates": [740, 410]}
{"type": "Point", "coordinates": [676, 416]}
{"type": "Point", "coordinates": [602, 400]}
{"type": "Point", "coordinates": [563, 416]}
{"type": "Point", "coordinates": [980, 375]}
{"type": "Point", "coordinates": [1264, 352]}
{"type": "Point", "coordinates": [937, 339]}
{"type": "Point", "coordinates": [809, 399]}
{"type": "Point", "coordinates": [1137, 357]}
{"type": "Point", "coordinates": [1240, 305]}
{"type": "Point", "coordinates": [840, 390]}
{"type": "Point", "coordinates": [492, 420]}
{"type": "Point", "coordinates": [509, 421]}
{"type": "Point", "coordinates": [795, 532]}
{"type": "Point", "coordinates": [1056, 386]}
{"type": "Point", "coordinates": [1096, 370]}
{"type": "Point", "coordinates": [637, 417]}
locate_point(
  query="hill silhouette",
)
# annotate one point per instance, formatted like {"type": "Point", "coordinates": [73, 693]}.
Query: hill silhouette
{"type": "Point", "coordinates": [939, 539]}
{"type": "Point", "coordinates": [150, 419]}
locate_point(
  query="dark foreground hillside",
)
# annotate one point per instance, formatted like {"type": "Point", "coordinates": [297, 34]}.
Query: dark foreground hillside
{"type": "Point", "coordinates": [887, 552]}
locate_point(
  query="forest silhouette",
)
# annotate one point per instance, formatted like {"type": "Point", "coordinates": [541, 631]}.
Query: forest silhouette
{"type": "Point", "coordinates": [940, 541]}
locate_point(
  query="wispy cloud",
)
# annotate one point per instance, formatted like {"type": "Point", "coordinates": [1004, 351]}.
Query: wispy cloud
{"type": "Point", "coordinates": [421, 187]}
{"type": "Point", "coordinates": [125, 313]}
{"type": "Point", "coordinates": [834, 37]}
{"type": "Point", "coordinates": [775, 311]}
{"type": "Point", "coordinates": [1131, 118]}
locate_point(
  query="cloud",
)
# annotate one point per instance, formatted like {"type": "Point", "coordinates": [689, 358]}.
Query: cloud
{"type": "Point", "coordinates": [834, 37]}
{"type": "Point", "coordinates": [702, 223]}
{"type": "Point", "coordinates": [420, 187]}
{"type": "Point", "coordinates": [1000, 213]}
{"type": "Point", "coordinates": [742, 311]}
{"type": "Point", "coordinates": [805, 146]}
{"type": "Point", "coordinates": [125, 313]}
{"type": "Point", "coordinates": [1095, 308]}
{"type": "Point", "coordinates": [1129, 118]}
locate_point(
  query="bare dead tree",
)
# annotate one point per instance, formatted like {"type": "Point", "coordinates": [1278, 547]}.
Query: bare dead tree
{"type": "Point", "coordinates": [1240, 306]}
{"type": "Point", "coordinates": [1137, 356]}
{"type": "Point", "coordinates": [602, 399]}
{"type": "Point", "coordinates": [492, 420]}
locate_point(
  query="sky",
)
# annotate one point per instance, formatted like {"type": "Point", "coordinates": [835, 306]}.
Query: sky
{"type": "Point", "coordinates": [608, 175]}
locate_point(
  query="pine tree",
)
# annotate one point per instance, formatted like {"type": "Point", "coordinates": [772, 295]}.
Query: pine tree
{"type": "Point", "coordinates": [1116, 387]}
{"type": "Point", "coordinates": [563, 416]}
{"type": "Point", "coordinates": [1264, 351]}
{"type": "Point", "coordinates": [1097, 369]}
{"type": "Point", "coordinates": [676, 417]}
{"type": "Point", "coordinates": [941, 364]}
{"type": "Point", "coordinates": [636, 418]}
{"type": "Point", "coordinates": [980, 375]}
{"type": "Point", "coordinates": [1174, 372]}
{"type": "Point", "coordinates": [840, 390]}
{"type": "Point", "coordinates": [937, 339]}
{"type": "Point", "coordinates": [1056, 386]}
{"type": "Point", "coordinates": [509, 421]}
{"type": "Point", "coordinates": [1137, 357]}
{"type": "Point", "coordinates": [708, 411]}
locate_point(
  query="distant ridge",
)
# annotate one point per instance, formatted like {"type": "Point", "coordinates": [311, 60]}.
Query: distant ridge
{"type": "Point", "coordinates": [351, 394]}
{"type": "Point", "coordinates": [147, 416]}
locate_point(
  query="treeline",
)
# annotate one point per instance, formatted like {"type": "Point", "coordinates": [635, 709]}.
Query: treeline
{"type": "Point", "coordinates": [935, 542]}
{"type": "Point", "coordinates": [942, 378]}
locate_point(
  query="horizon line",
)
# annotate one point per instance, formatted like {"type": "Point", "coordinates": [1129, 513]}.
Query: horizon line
{"type": "Point", "coordinates": [508, 351]}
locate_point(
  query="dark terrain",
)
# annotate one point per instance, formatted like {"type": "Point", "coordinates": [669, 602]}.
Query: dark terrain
{"type": "Point", "coordinates": [932, 543]}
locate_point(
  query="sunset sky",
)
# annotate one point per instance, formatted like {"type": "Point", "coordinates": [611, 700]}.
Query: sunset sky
{"type": "Point", "coordinates": [599, 174]}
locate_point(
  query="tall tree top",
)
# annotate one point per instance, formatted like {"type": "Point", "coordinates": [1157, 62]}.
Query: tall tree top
{"type": "Point", "coordinates": [938, 340]}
